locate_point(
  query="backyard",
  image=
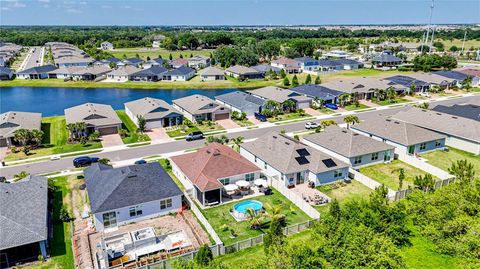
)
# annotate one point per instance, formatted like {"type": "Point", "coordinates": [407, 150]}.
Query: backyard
{"type": "Point", "coordinates": [224, 224]}
{"type": "Point", "coordinates": [156, 52]}
{"type": "Point", "coordinates": [132, 134]}
{"type": "Point", "coordinates": [388, 173]}
{"type": "Point", "coordinates": [343, 192]}
{"type": "Point", "coordinates": [54, 141]}
{"type": "Point", "coordinates": [443, 159]}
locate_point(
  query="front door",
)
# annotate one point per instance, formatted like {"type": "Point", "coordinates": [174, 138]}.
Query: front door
{"type": "Point", "coordinates": [109, 219]}
{"type": "Point", "coordinates": [300, 178]}
{"type": "Point", "coordinates": [411, 150]}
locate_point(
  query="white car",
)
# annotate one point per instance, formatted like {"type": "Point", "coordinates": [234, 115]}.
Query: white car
{"type": "Point", "coordinates": [55, 157]}
{"type": "Point", "coordinates": [311, 125]}
{"type": "Point", "coordinates": [425, 94]}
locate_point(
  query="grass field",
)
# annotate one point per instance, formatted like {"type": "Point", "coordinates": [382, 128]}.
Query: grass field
{"type": "Point", "coordinates": [443, 159]}
{"type": "Point", "coordinates": [222, 221]}
{"type": "Point", "coordinates": [388, 173]}
{"type": "Point", "coordinates": [133, 136]}
{"type": "Point", "coordinates": [288, 116]}
{"type": "Point", "coordinates": [353, 107]}
{"type": "Point", "coordinates": [388, 102]}
{"type": "Point", "coordinates": [156, 52]}
{"type": "Point", "coordinates": [61, 245]}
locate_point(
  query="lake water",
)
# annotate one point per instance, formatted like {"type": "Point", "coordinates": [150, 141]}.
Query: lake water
{"type": "Point", "coordinates": [51, 101]}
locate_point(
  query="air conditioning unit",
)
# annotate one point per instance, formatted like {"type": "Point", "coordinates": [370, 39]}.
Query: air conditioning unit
{"type": "Point", "coordinates": [387, 162]}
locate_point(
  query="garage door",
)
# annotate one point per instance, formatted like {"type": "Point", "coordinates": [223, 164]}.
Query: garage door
{"type": "Point", "coordinates": [108, 130]}
{"type": "Point", "coordinates": [154, 124]}
{"type": "Point", "coordinates": [224, 116]}
{"type": "Point", "coordinates": [3, 142]}
{"type": "Point", "coordinates": [303, 105]}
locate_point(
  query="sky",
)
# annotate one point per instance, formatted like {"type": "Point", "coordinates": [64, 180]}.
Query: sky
{"type": "Point", "coordinates": [235, 12]}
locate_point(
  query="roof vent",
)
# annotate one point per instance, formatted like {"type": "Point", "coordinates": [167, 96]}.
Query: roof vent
{"type": "Point", "coordinates": [275, 136]}
{"type": "Point", "coordinates": [344, 131]}
{"type": "Point", "coordinates": [216, 152]}
{"type": "Point", "coordinates": [454, 117]}
{"type": "Point", "coordinates": [132, 176]}
{"type": "Point", "coordinates": [396, 122]}
{"type": "Point", "coordinates": [388, 120]}
{"type": "Point", "coordinates": [439, 113]}
{"type": "Point", "coordinates": [287, 143]}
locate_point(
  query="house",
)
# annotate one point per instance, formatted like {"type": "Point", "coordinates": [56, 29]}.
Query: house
{"type": "Point", "coordinates": [408, 81]}
{"type": "Point", "coordinates": [206, 171]}
{"type": "Point", "coordinates": [199, 108]}
{"type": "Point", "coordinates": [93, 72]}
{"type": "Point", "coordinates": [137, 62]}
{"type": "Point", "coordinates": [106, 45]}
{"type": "Point", "coordinates": [73, 60]}
{"type": "Point", "coordinates": [338, 54]}
{"type": "Point", "coordinates": [12, 121]}
{"type": "Point", "coordinates": [183, 73]}
{"type": "Point", "coordinates": [107, 61]}
{"type": "Point", "coordinates": [5, 73]}
{"type": "Point", "coordinates": [349, 64]}
{"type": "Point", "coordinates": [211, 73]}
{"type": "Point", "coordinates": [265, 69]}
{"type": "Point", "coordinates": [64, 72]}
{"type": "Point", "coordinates": [434, 80]}
{"type": "Point", "coordinates": [122, 73]}
{"type": "Point", "coordinates": [119, 196]}
{"type": "Point", "coordinates": [293, 162]}
{"type": "Point", "coordinates": [198, 62]}
{"type": "Point", "coordinates": [290, 66]}
{"type": "Point", "coordinates": [153, 62]}
{"type": "Point", "coordinates": [473, 73]}
{"type": "Point", "coordinates": [281, 95]}
{"type": "Point", "coordinates": [406, 138]}
{"type": "Point", "coordinates": [156, 112]}
{"type": "Point", "coordinates": [456, 76]}
{"type": "Point", "coordinates": [350, 147]}
{"type": "Point", "coordinates": [157, 41]}
{"type": "Point", "coordinates": [365, 87]}
{"type": "Point", "coordinates": [37, 72]}
{"type": "Point", "coordinates": [242, 102]}
{"type": "Point", "coordinates": [386, 59]}
{"type": "Point", "coordinates": [154, 73]}
{"type": "Point", "coordinates": [461, 133]}
{"type": "Point", "coordinates": [469, 109]}
{"type": "Point", "coordinates": [308, 63]}
{"type": "Point", "coordinates": [329, 65]}
{"type": "Point", "coordinates": [97, 118]}
{"type": "Point", "coordinates": [242, 72]}
{"type": "Point", "coordinates": [178, 63]}
{"type": "Point", "coordinates": [24, 221]}
{"type": "Point", "coordinates": [318, 93]}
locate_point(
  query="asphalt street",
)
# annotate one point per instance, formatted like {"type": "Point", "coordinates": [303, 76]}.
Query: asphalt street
{"type": "Point", "coordinates": [156, 149]}
{"type": "Point", "coordinates": [34, 59]}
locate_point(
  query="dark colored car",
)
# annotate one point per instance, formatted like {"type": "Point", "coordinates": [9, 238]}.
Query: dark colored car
{"type": "Point", "coordinates": [331, 106]}
{"type": "Point", "coordinates": [194, 136]}
{"type": "Point", "coordinates": [140, 162]}
{"type": "Point", "coordinates": [84, 161]}
{"type": "Point", "coordinates": [260, 117]}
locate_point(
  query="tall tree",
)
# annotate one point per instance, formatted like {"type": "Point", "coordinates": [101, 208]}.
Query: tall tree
{"type": "Point", "coordinates": [294, 81]}
{"type": "Point", "coordinates": [308, 79]}
{"type": "Point", "coordinates": [351, 120]}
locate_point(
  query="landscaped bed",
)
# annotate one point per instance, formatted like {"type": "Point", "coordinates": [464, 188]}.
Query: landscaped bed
{"type": "Point", "coordinates": [289, 116]}
{"type": "Point", "coordinates": [204, 127]}
{"type": "Point", "coordinates": [223, 222]}
{"type": "Point", "coordinates": [390, 102]}
{"type": "Point", "coordinates": [388, 174]}
{"type": "Point", "coordinates": [132, 134]}
{"type": "Point", "coordinates": [443, 159]}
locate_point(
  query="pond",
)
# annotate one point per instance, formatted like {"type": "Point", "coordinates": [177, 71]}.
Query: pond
{"type": "Point", "coordinates": [51, 101]}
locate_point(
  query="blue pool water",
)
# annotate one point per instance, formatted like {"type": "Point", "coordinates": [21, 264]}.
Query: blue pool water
{"type": "Point", "coordinates": [51, 101]}
{"type": "Point", "coordinates": [243, 206]}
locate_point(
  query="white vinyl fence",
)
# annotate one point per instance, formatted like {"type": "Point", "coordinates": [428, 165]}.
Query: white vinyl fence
{"type": "Point", "coordinates": [297, 200]}
{"type": "Point", "coordinates": [370, 183]}
{"type": "Point", "coordinates": [203, 220]}
{"type": "Point", "coordinates": [423, 165]}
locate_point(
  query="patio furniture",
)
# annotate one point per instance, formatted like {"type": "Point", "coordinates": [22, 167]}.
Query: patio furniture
{"type": "Point", "coordinates": [230, 187]}
{"type": "Point", "coordinates": [260, 182]}
{"type": "Point", "coordinates": [243, 184]}
{"type": "Point", "coordinates": [268, 191]}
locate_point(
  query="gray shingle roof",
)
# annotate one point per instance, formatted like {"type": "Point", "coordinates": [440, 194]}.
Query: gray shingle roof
{"type": "Point", "coordinates": [198, 104]}
{"type": "Point", "coordinates": [448, 124]}
{"type": "Point", "coordinates": [151, 108]}
{"type": "Point", "coordinates": [112, 188]}
{"type": "Point", "coordinates": [397, 131]}
{"type": "Point", "coordinates": [5, 70]}
{"type": "Point", "coordinates": [23, 212]}
{"type": "Point", "coordinates": [263, 68]}
{"type": "Point", "coordinates": [38, 69]}
{"type": "Point", "coordinates": [361, 85]}
{"type": "Point", "coordinates": [274, 93]}
{"type": "Point", "coordinates": [241, 100]}
{"type": "Point", "coordinates": [386, 58]}
{"type": "Point", "coordinates": [347, 143]}
{"type": "Point", "coordinates": [285, 154]}
{"type": "Point", "coordinates": [211, 71]}
{"type": "Point", "coordinates": [181, 71]}
{"type": "Point", "coordinates": [319, 91]}
{"type": "Point", "coordinates": [241, 70]}
{"type": "Point", "coordinates": [92, 114]}
{"type": "Point", "coordinates": [14, 120]}
{"type": "Point", "coordinates": [451, 74]}
{"type": "Point", "coordinates": [152, 71]}
{"type": "Point", "coordinates": [470, 110]}
{"type": "Point", "coordinates": [124, 71]}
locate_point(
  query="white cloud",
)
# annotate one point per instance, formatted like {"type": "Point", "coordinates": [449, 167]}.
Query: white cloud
{"type": "Point", "coordinates": [44, 1]}
{"type": "Point", "coordinates": [73, 10]}
{"type": "Point", "coordinates": [12, 4]}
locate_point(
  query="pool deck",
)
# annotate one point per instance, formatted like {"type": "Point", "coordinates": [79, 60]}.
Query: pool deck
{"type": "Point", "coordinates": [254, 192]}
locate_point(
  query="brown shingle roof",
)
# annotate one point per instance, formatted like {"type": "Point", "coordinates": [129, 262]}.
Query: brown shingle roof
{"type": "Point", "coordinates": [215, 161]}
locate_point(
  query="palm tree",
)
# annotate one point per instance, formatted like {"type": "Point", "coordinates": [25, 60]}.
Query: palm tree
{"type": "Point", "coordinates": [254, 219]}
{"type": "Point", "coordinates": [71, 130]}
{"type": "Point", "coordinates": [142, 124]}
{"type": "Point", "coordinates": [22, 136]}
{"type": "Point", "coordinates": [80, 128]}
{"type": "Point", "coordinates": [274, 211]}
{"type": "Point", "coordinates": [272, 104]}
{"type": "Point", "coordinates": [325, 123]}
{"type": "Point", "coordinates": [344, 98]}
{"type": "Point", "coordinates": [391, 94]}
{"type": "Point", "coordinates": [37, 137]}
{"type": "Point", "coordinates": [289, 105]}
{"type": "Point", "coordinates": [237, 141]}
{"type": "Point", "coordinates": [380, 94]}
{"type": "Point", "coordinates": [351, 119]}
{"type": "Point", "coordinates": [317, 102]}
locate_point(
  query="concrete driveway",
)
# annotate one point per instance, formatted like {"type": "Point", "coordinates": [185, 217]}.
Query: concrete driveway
{"type": "Point", "coordinates": [111, 140]}
{"type": "Point", "coordinates": [254, 120]}
{"type": "Point", "coordinates": [312, 111]}
{"type": "Point", "coordinates": [227, 124]}
{"type": "Point", "coordinates": [3, 153]}
{"type": "Point", "coordinates": [157, 134]}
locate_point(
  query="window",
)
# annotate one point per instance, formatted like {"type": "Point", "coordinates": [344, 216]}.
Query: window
{"type": "Point", "coordinates": [250, 177]}
{"type": "Point", "coordinates": [374, 156]}
{"type": "Point", "coordinates": [135, 211]}
{"type": "Point", "coordinates": [438, 143]}
{"type": "Point", "coordinates": [225, 181]}
{"type": "Point", "coordinates": [423, 146]}
{"type": "Point", "coordinates": [165, 203]}
{"type": "Point", "coordinates": [337, 173]}
{"type": "Point", "coordinates": [255, 159]}
{"type": "Point", "coordinates": [357, 160]}
{"type": "Point", "coordinates": [265, 166]}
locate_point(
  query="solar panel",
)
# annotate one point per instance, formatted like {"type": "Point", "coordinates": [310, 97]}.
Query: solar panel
{"type": "Point", "coordinates": [329, 163]}
{"type": "Point", "coordinates": [303, 152]}
{"type": "Point", "coordinates": [301, 160]}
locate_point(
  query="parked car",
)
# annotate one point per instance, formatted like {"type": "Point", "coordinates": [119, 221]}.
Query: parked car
{"type": "Point", "coordinates": [331, 106]}
{"type": "Point", "coordinates": [311, 125]}
{"type": "Point", "coordinates": [84, 161]}
{"type": "Point", "coordinates": [425, 94]}
{"type": "Point", "coordinates": [260, 117]}
{"type": "Point", "coordinates": [55, 157]}
{"type": "Point", "coordinates": [140, 162]}
{"type": "Point", "coordinates": [194, 136]}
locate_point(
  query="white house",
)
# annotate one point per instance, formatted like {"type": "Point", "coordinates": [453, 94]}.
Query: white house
{"type": "Point", "coordinates": [119, 196]}
{"type": "Point", "coordinates": [156, 112]}
{"type": "Point", "coordinates": [106, 45]}
{"type": "Point", "coordinates": [183, 73]}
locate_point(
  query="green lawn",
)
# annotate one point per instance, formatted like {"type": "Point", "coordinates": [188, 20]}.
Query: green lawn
{"type": "Point", "coordinates": [61, 245]}
{"type": "Point", "coordinates": [156, 52]}
{"type": "Point", "coordinates": [54, 141]}
{"type": "Point", "coordinates": [288, 116]}
{"type": "Point", "coordinates": [222, 221]}
{"type": "Point", "coordinates": [243, 123]}
{"type": "Point", "coordinates": [325, 110]}
{"type": "Point", "coordinates": [237, 259]}
{"type": "Point", "coordinates": [132, 135]}
{"type": "Point", "coordinates": [346, 191]}
{"type": "Point", "coordinates": [388, 173]}
{"type": "Point", "coordinates": [443, 159]}
{"type": "Point", "coordinates": [388, 102]}
{"type": "Point", "coordinates": [196, 127]}
{"type": "Point", "coordinates": [354, 107]}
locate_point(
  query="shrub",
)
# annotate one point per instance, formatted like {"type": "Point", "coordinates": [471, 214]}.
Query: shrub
{"type": "Point", "coordinates": [64, 215]}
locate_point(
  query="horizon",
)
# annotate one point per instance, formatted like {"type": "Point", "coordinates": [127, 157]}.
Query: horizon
{"type": "Point", "coordinates": [239, 13]}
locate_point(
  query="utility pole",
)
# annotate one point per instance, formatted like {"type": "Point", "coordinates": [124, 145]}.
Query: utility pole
{"type": "Point", "coordinates": [431, 39]}
{"type": "Point", "coordinates": [429, 24]}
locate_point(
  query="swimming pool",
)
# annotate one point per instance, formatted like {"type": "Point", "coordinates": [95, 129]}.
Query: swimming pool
{"type": "Point", "coordinates": [240, 209]}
